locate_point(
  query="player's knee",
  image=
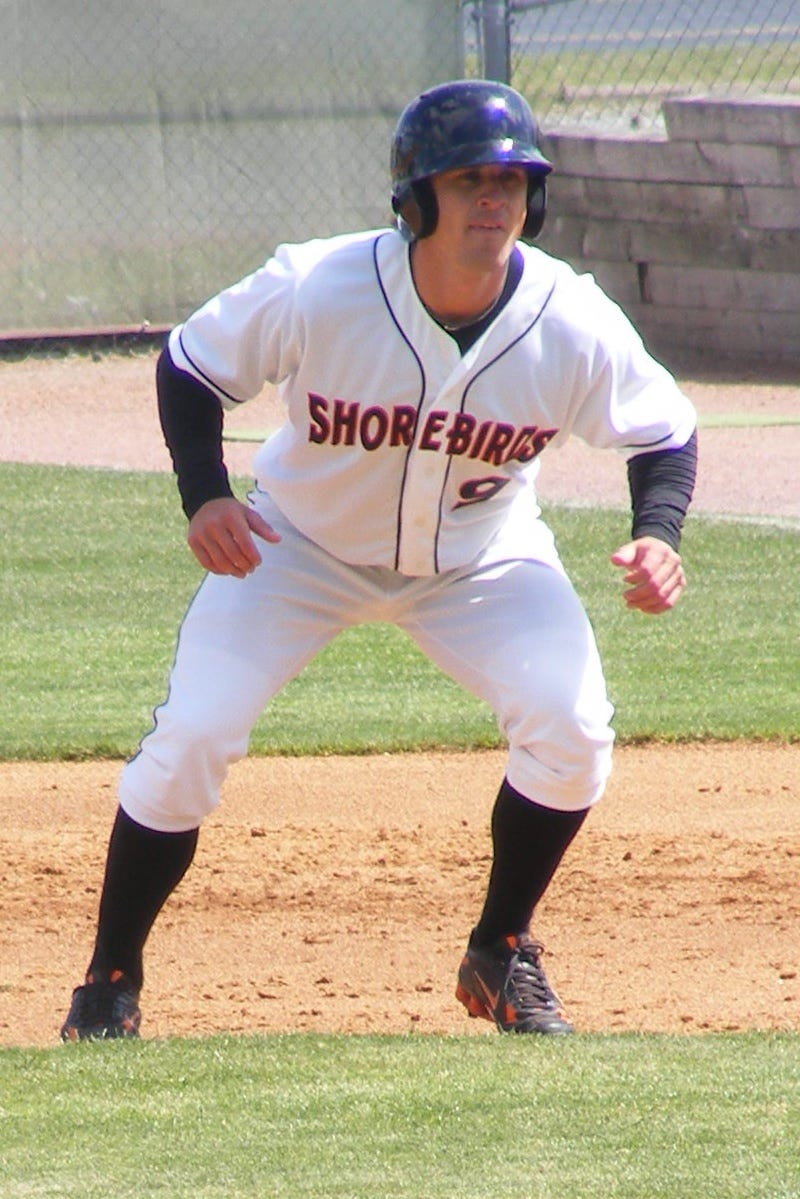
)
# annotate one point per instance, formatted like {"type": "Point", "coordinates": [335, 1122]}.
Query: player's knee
{"type": "Point", "coordinates": [564, 760]}
{"type": "Point", "coordinates": [567, 783]}
{"type": "Point", "coordinates": [174, 781]}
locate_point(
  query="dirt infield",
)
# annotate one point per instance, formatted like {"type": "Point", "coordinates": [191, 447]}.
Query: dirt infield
{"type": "Point", "coordinates": [336, 894]}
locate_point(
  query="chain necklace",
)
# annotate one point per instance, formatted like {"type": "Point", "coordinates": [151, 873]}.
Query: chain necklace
{"type": "Point", "coordinates": [454, 326]}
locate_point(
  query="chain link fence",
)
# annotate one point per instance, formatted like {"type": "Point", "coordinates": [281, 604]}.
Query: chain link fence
{"type": "Point", "coordinates": [608, 64]}
{"type": "Point", "coordinates": [151, 152]}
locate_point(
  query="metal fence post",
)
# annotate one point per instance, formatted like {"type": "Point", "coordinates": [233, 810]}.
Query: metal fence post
{"type": "Point", "coordinates": [496, 40]}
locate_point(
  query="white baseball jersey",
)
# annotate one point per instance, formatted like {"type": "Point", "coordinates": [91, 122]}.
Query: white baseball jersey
{"type": "Point", "coordinates": [397, 450]}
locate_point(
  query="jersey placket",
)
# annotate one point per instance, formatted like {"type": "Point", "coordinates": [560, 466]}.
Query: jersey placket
{"type": "Point", "coordinates": [426, 478]}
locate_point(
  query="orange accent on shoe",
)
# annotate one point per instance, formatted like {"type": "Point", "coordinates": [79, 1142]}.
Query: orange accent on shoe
{"type": "Point", "coordinates": [474, 1007]}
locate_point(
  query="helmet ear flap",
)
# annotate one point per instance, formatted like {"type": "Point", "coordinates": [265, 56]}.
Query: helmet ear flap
{"type": "Point", "coordinates": [537, 207]}
{"type": "Point", "coordinates": [418, 212]}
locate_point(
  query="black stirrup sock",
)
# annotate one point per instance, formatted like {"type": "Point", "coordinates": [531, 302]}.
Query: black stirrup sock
{"type": "Point", "coordinates": [143, 868]}
{"type": "Point", "coordinates": [529, 841]}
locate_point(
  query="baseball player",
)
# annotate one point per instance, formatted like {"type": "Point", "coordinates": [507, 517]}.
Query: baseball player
{"type": "Point", "coordinates": [424, 367]}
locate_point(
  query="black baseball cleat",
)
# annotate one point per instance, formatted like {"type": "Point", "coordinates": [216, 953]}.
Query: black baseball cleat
{"type": "Point", "coordinates": [103, 1009]}
{"type": "Point", "coordinates": [505, 982]}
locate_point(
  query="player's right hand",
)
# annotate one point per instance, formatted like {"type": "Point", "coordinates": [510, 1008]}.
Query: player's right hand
{"type": "Point", "coordinates": [220, 536]}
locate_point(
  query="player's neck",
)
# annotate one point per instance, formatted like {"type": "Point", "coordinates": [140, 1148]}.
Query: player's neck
{"type": "Point", "coordinates": [453, 296]}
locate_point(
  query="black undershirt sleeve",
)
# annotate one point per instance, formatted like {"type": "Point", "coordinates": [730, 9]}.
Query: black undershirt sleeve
{"type": "Point", "coordinates": [661, 485]}
{"type": "Point", "coordinates": [191, 420]}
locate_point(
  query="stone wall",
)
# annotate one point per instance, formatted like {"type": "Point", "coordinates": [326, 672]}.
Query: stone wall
{"type": "Point", "coordinates": [696, 233]}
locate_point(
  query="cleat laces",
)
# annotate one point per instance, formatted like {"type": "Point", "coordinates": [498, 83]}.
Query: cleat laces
{"type": "Point", "coordinates": [526, 984]}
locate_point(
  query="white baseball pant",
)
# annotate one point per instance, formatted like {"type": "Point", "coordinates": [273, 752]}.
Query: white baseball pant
{"type": "Point", "coordinates": [514, 634]}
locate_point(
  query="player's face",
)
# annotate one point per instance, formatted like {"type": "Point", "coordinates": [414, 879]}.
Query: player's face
{"type": "Point", "coordinates": [481, 212]}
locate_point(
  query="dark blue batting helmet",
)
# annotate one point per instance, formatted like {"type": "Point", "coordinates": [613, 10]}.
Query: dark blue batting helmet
{"type": "Point", "coordinates": [468, 122]}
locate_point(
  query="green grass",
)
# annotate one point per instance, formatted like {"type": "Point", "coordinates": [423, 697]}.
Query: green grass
{"type": "Point", "coordinates": [608, 80]}
{"type": "Point", "coordinates": [95, 577]}
{"type": "Point", "coordinates": [405, 1118]}
{"type": "Point", "coordinates": [745, 420]}
{"type": "Point", "coordinates": [761, 66]}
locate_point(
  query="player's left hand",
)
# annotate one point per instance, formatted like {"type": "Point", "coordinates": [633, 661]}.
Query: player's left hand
{"type": "Point", "coordinates": [654, 573]}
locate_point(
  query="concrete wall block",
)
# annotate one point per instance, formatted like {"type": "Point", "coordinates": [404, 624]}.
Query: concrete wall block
{"type": "Point", "coordinates": [669, 331]}
{"type": "Point", "coordinates": [692, 244]}
{"type": "Point", "coordinates": [772, 207]}
{"type": "Point", "coordinates": [566, 194]}
{"type": "Point", "coordinates": [603, 156]}
{"type": "Point", "coordinates": [735, 246]}
{"type": "Point", "coordinates": [568, 236]}
{"type": "Point", "coordinates": [774, 249]}
{"type": "Point", "coordinates": [718, 290]}
{"type": "Point", "coordinates": [652, 202]}
{"type": "Point", "coordinates": [780, 333]}
{"type": "Point", "coordinates": [741, 162]}
{"type": "Point", "coordinates": [759, 120]}
{"type": "Point", "coordinates": [588, 154]}
{"type": "Point", "coordinates": [657, 160]}
{"type": "Point", "coordinates": [619, 280]}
